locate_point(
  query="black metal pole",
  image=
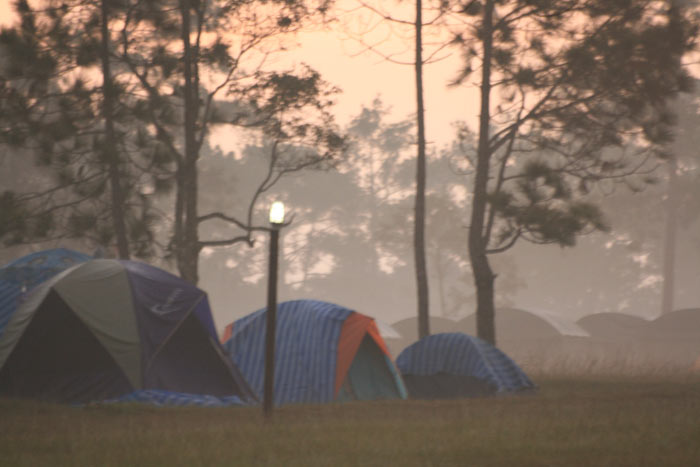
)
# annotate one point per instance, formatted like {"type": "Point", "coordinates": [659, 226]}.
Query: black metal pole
{"type": "Point", "coordinates": [271, 315]}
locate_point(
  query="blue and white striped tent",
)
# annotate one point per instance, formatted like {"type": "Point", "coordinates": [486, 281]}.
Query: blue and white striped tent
{"type": "Point", "coordinates": [161, 398]}
{"type": "Point", "coordinates": [323, 352]}
{"type": "Point", "coordinates": [452, 356]}
{"type": "Point", "coordinates": [25, 273]}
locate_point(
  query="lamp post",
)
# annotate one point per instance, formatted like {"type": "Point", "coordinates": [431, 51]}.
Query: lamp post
{"type": "Point", "coordinates": [276, 221]}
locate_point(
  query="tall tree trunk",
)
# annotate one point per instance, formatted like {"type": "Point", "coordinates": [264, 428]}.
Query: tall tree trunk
{"type": "Point", "coordinates": [669, 254]}
{"type": "Point", "coordinates": [440, 273]}
{"type": "Point", "coordinates": [419, 218]}
{"type": "Point", "coordinates": [483, 275]}
{"type": "Point", "coordinates": [110, 143]}
{"type": "Point", "coordinates": [188, 246]}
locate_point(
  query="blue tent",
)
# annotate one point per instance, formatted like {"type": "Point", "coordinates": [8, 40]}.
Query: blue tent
{"type": "Point", "coordinates": [105, 328]}
{"type": "Point", "coordinates": [162, 398]}
{"type": "Point", "coordinates": [455, 364]}
{"type": "Point", "coordinates": [25, 273]}
{"type": "Point", "coordinates": [323, 352]}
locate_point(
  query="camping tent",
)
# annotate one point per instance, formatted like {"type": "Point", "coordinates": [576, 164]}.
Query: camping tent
{"type": "Point", "coordinates": [527, 325]}
{"type": "Point", "coordinates": [25, 273]}
{"type": "Point", "coordinates": [104, 328]}
{"type": "Point", "coordinates": [448, 365]}
{"type": "Point", "coordinates": [538, 338]}
{"type": "Point", "coordinates": [408, 327]}
{"type": "Point", "coordinates": [677, 325]}
{"type": "Point", "coordinates": [408, 330]}
{"type": "Point", "coordinates": [613, 326]}
{"type": "Point", "coordinates": [673, 338]}
{"type": "Point", "coordinates": [323, 352]}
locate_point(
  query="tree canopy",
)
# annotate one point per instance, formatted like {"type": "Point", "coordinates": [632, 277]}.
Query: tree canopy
{"type": "Point", "coordinates": [573, 93]}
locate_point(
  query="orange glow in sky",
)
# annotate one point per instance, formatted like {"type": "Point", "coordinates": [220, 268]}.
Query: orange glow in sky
{"type": "Point", "coordinates": [365, 76]}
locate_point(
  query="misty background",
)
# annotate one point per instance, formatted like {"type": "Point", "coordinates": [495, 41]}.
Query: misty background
{"type": "Point", "coordinates": [350, 240]}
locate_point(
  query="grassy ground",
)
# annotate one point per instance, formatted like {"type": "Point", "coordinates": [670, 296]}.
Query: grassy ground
{"type": "Point", "coordinates": [568, 422]}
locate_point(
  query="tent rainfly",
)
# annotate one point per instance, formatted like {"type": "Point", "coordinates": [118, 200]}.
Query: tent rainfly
{"type": "Point", "coordinates": [105, 328]}
{"type": "Point", "coordinates": [323, 353]}
{"type": "Point", "coordinates": [452, 365]}
{"type": "Point", "coordinates": [25, 273]}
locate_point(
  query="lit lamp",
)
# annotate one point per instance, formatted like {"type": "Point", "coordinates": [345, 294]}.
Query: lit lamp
{"type": "Point", "coordinates": [276, 222]}
{"type": "Point", "coordinates": [277, 213]}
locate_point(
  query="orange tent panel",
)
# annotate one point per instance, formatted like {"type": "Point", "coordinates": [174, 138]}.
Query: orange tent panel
{"type": "Point", "coordinates": [351, 334]}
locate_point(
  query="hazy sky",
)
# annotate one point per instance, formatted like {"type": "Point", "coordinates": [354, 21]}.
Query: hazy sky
{"type": "Point", "coordinates": [366, 76]}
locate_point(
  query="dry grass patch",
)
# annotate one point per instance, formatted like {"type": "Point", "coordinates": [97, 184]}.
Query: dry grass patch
{"type": "Point", "coordinates": [575, 422]}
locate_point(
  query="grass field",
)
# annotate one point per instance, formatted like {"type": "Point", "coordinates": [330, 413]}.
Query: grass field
{"type": "Point", "coordinates": [582, 421]}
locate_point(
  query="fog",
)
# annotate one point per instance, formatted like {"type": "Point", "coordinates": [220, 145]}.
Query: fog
{"type": "Point", "coordinates": [350, 242]}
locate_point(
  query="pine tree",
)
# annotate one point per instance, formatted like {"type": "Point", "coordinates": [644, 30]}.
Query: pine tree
{"type": "Point", "coordinates": [202, 64]}
{"type": "Point", "coordinates": [62, 106]}
{"type": "Point", "coordinates": [567, 89]}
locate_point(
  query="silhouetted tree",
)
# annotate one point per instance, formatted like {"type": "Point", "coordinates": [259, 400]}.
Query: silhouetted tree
{"type": "Point", "coordinates": [190, 58]}
{"type": "Point", "coordinates": [419, 214]}
{"type": "Point", "coordinates": [659, 238]}
{"type": "Point", "coordinates": [340, 245]}
{"type": "Point", "coordinates": [62, 105]}
{"type": "Point", "coordinates": [668, 291]}
{"type": "Point", "coordinates": [576, 80]}
{"type": "Point", "coordinates": [170, 72]}
{"type": "Point", "coordinates": [420, 59]}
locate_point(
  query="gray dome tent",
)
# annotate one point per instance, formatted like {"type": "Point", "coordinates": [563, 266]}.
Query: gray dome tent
{"type": "Point", "coordinates": [613, 325]}
{"type": "Point", "coordinates": [105, 328]}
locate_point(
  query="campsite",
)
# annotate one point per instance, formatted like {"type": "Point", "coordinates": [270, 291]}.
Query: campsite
{"type": "Point", "coordinates": [572, 421]}
{"type": "Point", "coordinates": [349, 233]}
{"type": "Point", "coordinates": [158, 388]}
